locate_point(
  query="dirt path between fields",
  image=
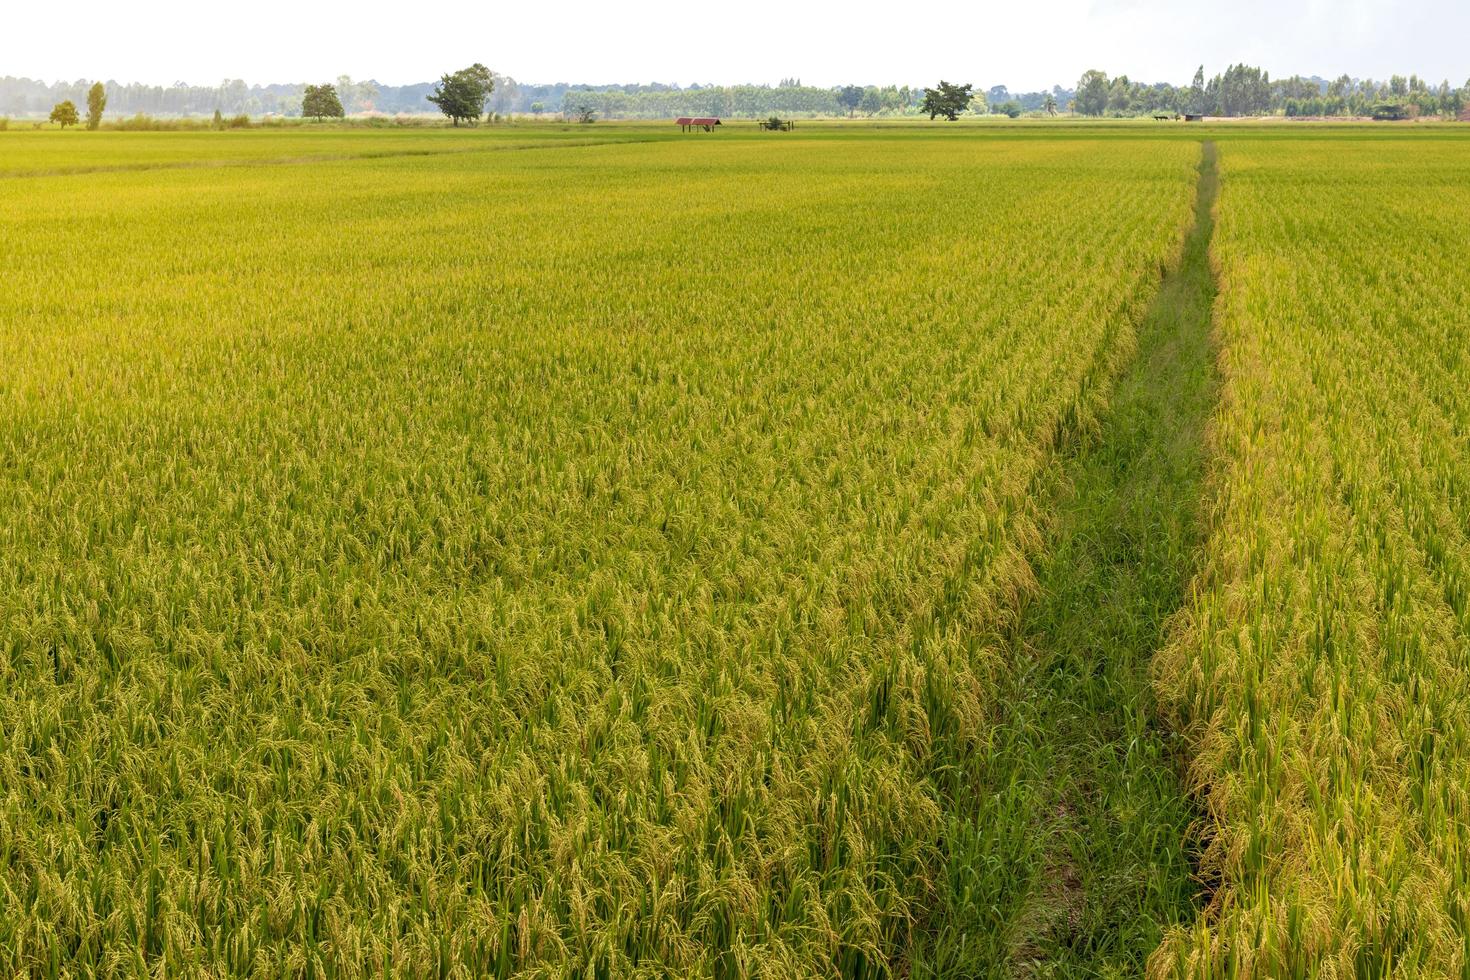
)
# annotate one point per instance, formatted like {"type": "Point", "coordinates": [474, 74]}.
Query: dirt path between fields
{"type": "Point", "coordinates": [1110, 869]}
{"type": "Point", "coordinates": [1076, 858]}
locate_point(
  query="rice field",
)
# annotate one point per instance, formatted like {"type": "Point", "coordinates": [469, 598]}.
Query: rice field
{"type": "Point", "coordinates": [43, 153]}
{"type": "Point", "coordinates": [578, 551]}
{"type": "Point", "coordinates": [582, 560]}
{"type": "Point", "coordinates": [1323, 668]}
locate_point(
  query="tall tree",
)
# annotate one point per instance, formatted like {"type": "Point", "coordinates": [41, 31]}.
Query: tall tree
{"type": "Point", "coordinates": [356, 96]}
{"type": "Point", "coordinates": [96, 102]}
{"type": "Point", "coordinates": [1050, 104]}
{"type": "Point", "coordinates": [947, 100]}
{"type": "Point", "coordinates": [1243, 91]}
{"type": "Point", "coordinates": [1120, 96]}
{"type": "Point", "coordinates": [850, 97]}
{"type": "Point", "coordinates": [1196, 106]}
{"type": "Point", "coordinates": [65, 113]}
{"type": "Point", "coordinates": [321, 102]}
{"type": "Point", "coordinates": [1092, 93]}
{"type": "Point", "coordinates": [462, 95]}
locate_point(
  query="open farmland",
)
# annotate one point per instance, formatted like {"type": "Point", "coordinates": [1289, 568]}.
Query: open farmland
{"type": "Point", "coordinates": [867, 551]}
{"type": "Point", "coordinates": [595, 558]}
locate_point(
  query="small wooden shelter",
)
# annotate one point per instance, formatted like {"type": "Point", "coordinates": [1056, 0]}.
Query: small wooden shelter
{"type": "Point", "coordinates": [695, 124]}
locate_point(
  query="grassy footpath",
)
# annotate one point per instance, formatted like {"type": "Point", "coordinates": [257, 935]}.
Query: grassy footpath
{"type": "Point", "coordinates": [1076, 862]}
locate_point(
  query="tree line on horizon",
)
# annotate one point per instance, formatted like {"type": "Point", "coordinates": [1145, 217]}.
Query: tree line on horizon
{"type": "Point", "coordinates": [460, 96]}
{"type": "Point", "coordinates": [1243, 90]}
{"type": "Point", "coordinates": [1240, 90]}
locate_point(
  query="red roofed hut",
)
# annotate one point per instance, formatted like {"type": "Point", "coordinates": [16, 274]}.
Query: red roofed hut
{"type": "Point", "coordinates": [693, 124]}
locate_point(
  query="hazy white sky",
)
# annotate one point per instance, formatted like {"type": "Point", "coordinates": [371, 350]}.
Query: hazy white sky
{"type": "Point", "coordinates": [1025, 45]}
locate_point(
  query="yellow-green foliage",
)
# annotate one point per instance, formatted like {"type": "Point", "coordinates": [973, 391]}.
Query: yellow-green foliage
{"type": "Point", "coordinates": [529, 560]}
{"type": "Point", "coordinates": [1323, 670]}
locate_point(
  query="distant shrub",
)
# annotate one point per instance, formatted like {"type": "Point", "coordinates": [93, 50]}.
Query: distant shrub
{"type": "Point", "coordinates": [242, 121]}
{"type": "Point", "coordinates": [137, 122]}
{"type": "Point", "coordinates": [142, 122]}
{"type": "Point", "coordinates": [4, 124]}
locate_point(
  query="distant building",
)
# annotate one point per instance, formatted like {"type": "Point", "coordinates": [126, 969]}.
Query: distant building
{"type": "Point", "coordinates": [695, 124]}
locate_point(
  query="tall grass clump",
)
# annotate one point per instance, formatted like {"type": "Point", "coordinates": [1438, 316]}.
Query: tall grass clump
{"type": "Point", "coordinates": [141, 122]}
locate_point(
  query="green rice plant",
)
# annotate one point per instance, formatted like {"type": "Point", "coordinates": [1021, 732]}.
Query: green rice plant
{"type": "Point", "coordinates": [1320, 671]}
{"type": "Point", "coordinates": [465, 563]}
